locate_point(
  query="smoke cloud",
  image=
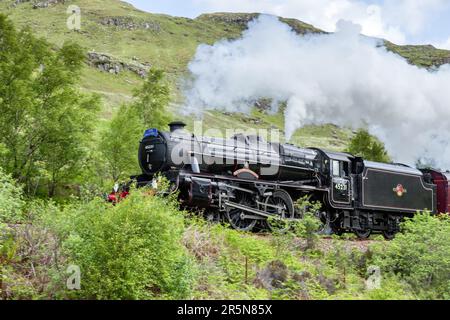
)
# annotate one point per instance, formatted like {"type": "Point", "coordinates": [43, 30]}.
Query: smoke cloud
{"type": "Point", "coordinates": [342, 78]}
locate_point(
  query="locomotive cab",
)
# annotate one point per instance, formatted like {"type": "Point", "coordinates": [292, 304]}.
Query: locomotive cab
{"type": "Point", "coordinates": [336, 171]}
{"type": "Point", "coordinates": [341, 185]}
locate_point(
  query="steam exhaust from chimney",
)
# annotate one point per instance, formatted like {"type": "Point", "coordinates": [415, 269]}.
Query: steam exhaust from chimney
{"type": "Point", "coordinates": [342, 78]}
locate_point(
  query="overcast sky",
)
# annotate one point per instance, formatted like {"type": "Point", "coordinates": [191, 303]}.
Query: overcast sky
{"type": "Point", "coordinates": [401, 21]}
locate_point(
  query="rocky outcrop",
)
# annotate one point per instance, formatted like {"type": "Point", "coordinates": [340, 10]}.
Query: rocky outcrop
{"type": "Point", "coordinates": [46, 4]}
{"type": "Point", "coordinates": [128, 23]}
{"type": "Point", "coordinates": [17, 2]}
{"type": "Point", "coordinates": [39, 4]}
{"type": "Point", "coordinates": [241, 19]}
{"type": "Point", "coordinates": [107, 63]}
{"type": "Point", "coordinates": [21, 1]}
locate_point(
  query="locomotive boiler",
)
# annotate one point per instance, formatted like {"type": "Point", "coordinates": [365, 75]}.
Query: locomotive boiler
{"type": "Point", "coordinates": [253, 183]}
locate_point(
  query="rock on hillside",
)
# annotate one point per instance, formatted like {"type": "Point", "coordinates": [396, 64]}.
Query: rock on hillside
{"type": "Point", "coordinates": [130, 24]}
{"type": "Point", "coordinates": [240, 19]}
{"type": "Point", "coordinates": [38, 4]}
{"type": "Point", "coordinates": [107, 63]}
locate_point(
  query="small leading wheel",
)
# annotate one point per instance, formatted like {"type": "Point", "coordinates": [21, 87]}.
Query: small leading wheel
{"type": "Point", "coordinates": [363, 234]}
{"type": "Point", "coordinates": [280, 206]}
{"type": "Point", "coordinates": [236, 217]}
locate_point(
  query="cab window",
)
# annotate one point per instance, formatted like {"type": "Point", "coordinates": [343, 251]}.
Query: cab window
{"type": "Point", "coordinates": [336, 168]}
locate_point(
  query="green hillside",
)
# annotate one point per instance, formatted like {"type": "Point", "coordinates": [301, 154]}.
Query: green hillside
{"type": "Point", "coordinates": [123, 42]}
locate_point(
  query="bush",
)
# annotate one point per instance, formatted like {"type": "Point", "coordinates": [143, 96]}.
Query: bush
{"type": "Point", "coordinates": [420, 256]}
{"type": "Point", "coordinates": [129, 251]}
{"type": "Point", "coordinates": [310, 224]}
{"type": "Point", "coordinates": [12, 284]}
{"type": "Point", "coordinates": [11, 200]}
{"type": "Point", "coordinates": [10, 213]}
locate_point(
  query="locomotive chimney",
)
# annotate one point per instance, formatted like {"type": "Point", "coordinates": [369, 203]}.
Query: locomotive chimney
{"type": "Point", "coordinates": [176, 125]}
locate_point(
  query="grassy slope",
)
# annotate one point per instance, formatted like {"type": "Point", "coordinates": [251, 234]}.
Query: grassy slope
{"type": "Point", "coordinates": [171, 47]}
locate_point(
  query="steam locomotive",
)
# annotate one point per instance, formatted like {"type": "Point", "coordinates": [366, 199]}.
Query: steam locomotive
{"type": "Point", "coordinates": [253, 183]}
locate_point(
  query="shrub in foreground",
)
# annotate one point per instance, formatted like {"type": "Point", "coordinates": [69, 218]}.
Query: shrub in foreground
{"type": "Point", "coordinates": [10, 200]}
{"type": "Point", "coordinates": [420, 256]}
{"type": "Point", "coordinates": [129, 251]}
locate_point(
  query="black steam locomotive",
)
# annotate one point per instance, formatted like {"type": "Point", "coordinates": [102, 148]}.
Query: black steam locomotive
{"type": "Point", "coordinates": [247, 181]}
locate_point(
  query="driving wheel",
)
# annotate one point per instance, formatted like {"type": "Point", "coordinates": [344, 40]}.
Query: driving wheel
{"type": "Point", "coordinates": [237, 217]}
{"type": "Point", "coordinates": [280, 206]}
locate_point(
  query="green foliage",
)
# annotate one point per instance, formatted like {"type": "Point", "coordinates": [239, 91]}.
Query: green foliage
{"type": "Point", "coordinates": [285, 233]}
{"type": "Point", "coordinates": [11, 200]}
{"type": "Point", "coordinates": [11, 205]}
{"type": "Point", "coordinates": [420, 256]}
{"type": "Point", "coordinates": [144, 248]}
{"type": "Point", "coordinates": [309, 224]}
{"type": "Point", "coordinates": [45, 119]}
{"type": "Point", "coordinates": [128, 251]}
{"type": "Point", "coordinates": [152, 100]}
{"type": "Point", "coordinates": [227, 261]}
{"type": "Point", "coordinates": [392, 288]}
{"type": "Point", "coordinates": [368, 147]}
{"type": "Point", "coordinates": [119, 144]}
{"type": "Point", "coordinates": [149, 109]}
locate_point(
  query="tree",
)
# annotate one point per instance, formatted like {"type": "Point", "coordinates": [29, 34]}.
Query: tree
{"type": "Point", "coordinates": [367, 146]}
{"type": "Point", "coordinates": [119, 143]}
{"type": "Point", "coordinates": [44, 118]}
{"type": "Point", "coordinates": [152, 101]}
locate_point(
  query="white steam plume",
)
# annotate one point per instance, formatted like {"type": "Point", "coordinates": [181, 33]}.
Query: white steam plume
{"type": "Point", "coordinates": [343, 78]}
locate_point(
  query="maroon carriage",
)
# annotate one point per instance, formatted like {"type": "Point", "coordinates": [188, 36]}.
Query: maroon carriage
{"type": "Point", "coordinates": [442, 182]}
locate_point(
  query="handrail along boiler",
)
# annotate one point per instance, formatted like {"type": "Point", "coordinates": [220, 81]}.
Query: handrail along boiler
{"type": "Point", "coordinates": [247, 180]}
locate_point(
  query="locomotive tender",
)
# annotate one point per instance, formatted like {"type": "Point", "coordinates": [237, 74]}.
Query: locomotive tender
{"type": "Point", "coordinates": [247, 180]}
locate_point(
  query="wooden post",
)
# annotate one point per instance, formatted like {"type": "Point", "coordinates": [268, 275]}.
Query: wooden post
{"type": "Point", "coordinates": [246, 270]}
